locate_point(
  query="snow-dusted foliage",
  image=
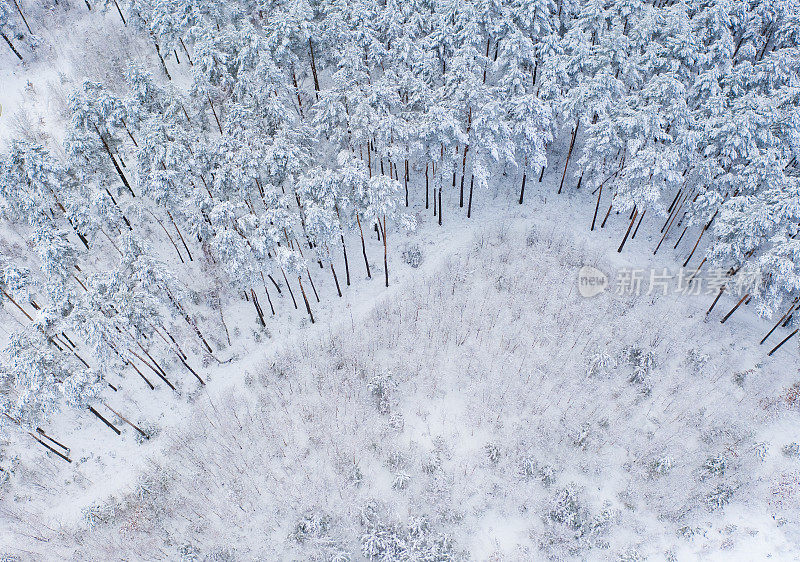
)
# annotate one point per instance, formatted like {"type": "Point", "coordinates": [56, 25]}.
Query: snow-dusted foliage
{"type": "Point", "coordinates": [494, 438]}
{"type": "Point", "coordinates": [289, 125]}
{"type": "Point", "coordinates": [201, 175]}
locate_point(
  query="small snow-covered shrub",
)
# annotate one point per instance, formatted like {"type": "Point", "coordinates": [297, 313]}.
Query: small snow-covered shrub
{"type": "Point", "coordinates": [791, 450]}
{"type": "Point", "coordinates": [719, 497]}
{"type": "Point", "coordinates": [630, 554]}
{"type": "Point", "coordinates": [492, 452]}
{"type": "Point", "coordinates": [643, 362]}
{"type": "Point", "coordinates": [414, 541]}
{"type": "Point", "coordinates": [8, 465]}
{"type": "Point", "coordinates": [532, 469]}
{"type": "Point", "coordinates": [400, 480]}
{"type": "Point", "coordinates": [311, 525]}
{"type": "Point", "coordinates": [661, 466]}
{"type": "Point", "coordinates": [714, 466]}
{"type": "Point", "coordinates": [380, 386]}
{"type": "Point", "coordinates": [601, 363]}
{"type": "Point", "coordinates": [412, 255]}
{"type": "Point", "coordinates": [571, 527]}
{"type": "Point", "coordinates": [531, 237]}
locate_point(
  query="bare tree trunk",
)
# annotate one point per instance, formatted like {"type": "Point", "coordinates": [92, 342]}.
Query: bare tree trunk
{"type": "Point", "coordinates": [185, 50]}
{"type": "Point", "coordinates": [161, 58]}
{"type": "Point", "coordinates": [363, 246]}
{"type": "Point", "coordinates": [346, 264]}
{"type": "Point", "coordinates": [713, 304]}
{"type": "Point", "coordinates": [214, 111]}
{"type": "Point", "coordinates": [28, 316]}
{"type": "Point", "coordinates": [308, 307]}
{"type": "Point", "coordinates": [426, 186]}
{"type": "Point", "coordinates": [405, 181]}
{"type": "Point", "coordinates": [16, 5]}
{"type": "Point", "coordinates": [114, 161]}
{"type": "Point", "coordinates": [522, 191]}
{"type": "Point", "coordinates": [178, 230]}
{"type": "Point", "coordinates": [778, 323]}
{"type": "Point", "coordinates": [569, 154]}
{"type": "Point", "coordinates": [630, 226]}
{"type": "Point", "coordinates": [738, 304]}
{"type": "Point", "coordinates": [787, 338]}
{"type": "Point", "coordinates": [120, 13]}
{"type": "Point", "coordinates": [290, 289]}
{"type": "Point", "coordinates": [635, 230]}
{"type": "Point", "coordinates": [313, 67]}
{"type": "Point", "coordinates": [258, 308]}
{"type": "Point", "coordinates": [336, 280]}
{"type": "Point", "coordinates": [105, 421]}
{"type": "Point", "coordinates": [385, 251]}
{"type": "Point", "coordinates": [469, 205]}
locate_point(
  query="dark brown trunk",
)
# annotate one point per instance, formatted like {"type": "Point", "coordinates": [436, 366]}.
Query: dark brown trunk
{"type": "Point", "coordinates": [305, 299]}
{"type": "Point", "coordinates": [469, 204]}
{"type": "Point", "coordinates": [105, 421]}
{"type": "Point", "coordinates": [630, 226]}
{"type": "Point", "coordinates": [738, 304]}
{"type": "Point", "coordinates": [787, 338]}
{"type": "Point", "coordinates": [363, 246]}
{"type": "Point", "coordinates": [11, 45]}
{"type": "Point", "coordinates": [569, 154]}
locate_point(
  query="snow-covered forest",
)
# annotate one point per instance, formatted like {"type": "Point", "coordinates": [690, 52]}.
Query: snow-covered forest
{"type": "Point", "coordinates": [298, 280]}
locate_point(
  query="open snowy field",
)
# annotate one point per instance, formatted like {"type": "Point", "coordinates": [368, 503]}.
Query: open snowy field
{"type": "Point", "coordinates": [482, 410]}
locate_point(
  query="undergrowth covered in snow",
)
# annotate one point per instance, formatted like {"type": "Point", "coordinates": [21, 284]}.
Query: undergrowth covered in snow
{"type": "Point", "coordinates": [484, 411]}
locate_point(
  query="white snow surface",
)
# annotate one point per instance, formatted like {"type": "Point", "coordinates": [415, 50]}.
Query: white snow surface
{"type": "Point", "coordinates": [460, 396]}
{"type": "Point", "coordinates": [455, 414]}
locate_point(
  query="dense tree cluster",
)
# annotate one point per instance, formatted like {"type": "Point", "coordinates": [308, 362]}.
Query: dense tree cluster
{"type": "Point", "coordinates": [298, 123]}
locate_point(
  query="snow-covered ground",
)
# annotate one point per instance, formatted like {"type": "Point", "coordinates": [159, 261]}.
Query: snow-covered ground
{"type": "Point", "coordinates": [478, 408]}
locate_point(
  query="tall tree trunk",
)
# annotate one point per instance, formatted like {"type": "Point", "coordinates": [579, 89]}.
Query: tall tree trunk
{"type": "Point", "coordinates": [426, 186]}
{"type": "Point", "coordinates": [522, 191]}
{"type": "Point", "coordinates": [405, 181]}
{"type": "Point", "coordinates": [363, 246]}
{"type": "Point", "coordinates": [105, 421]}
{"type": "Point", "coordinates": [630, 226]}
{"type": "Point", "coordinates": [787, 338]}
{"type": "Point", "coordinates": [214, 111]}
{"type": "Point", "coordinates": [291, 293]}
{"type": "Point", "coordinates": [114, 161]}
{"type": "Point", "coordinates": [161, 58]}
{"type": "Point", "coordinates": [440, 206]}
{"type": "Point", "coordinates": [778, 323]}
{"type": "Point", "coordinates": [738, 304]}
{"type": "Point", "coordinates": [120, 15]}
{"type": "Point", "coordinates": [22, 15]}
{"type": "Point", "coordinates": [569, 154]}
{"type": "Point", "coordinates": [385, 251]}
{"type": "Point", "coordinates": [185, 50]}
{"type": "Point", "coordinates": [597, 206]}
{"type": "Point", "coordinates": [336, 280]}
{"type": "Point", "coordinates": [305, 299]}
{"type": "Point", "coordinates": [469, 205]}
{"type": "Point", "coordinates": [346, 264]}
{"type": "Point", "coordinates": [310, 280]}
{"type": "Point", "coordinates": [313, 67]}
{"type": "Point", "coordinates": [12, 301]}
{"type": "Point", "coordinates": [258, 308]}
